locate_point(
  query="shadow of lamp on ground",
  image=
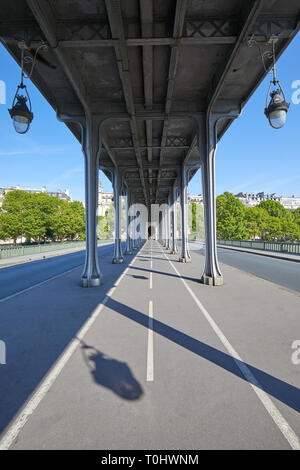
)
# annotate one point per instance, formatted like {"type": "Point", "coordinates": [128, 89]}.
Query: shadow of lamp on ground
{"type": "Point", "coordinates": [111, 373]}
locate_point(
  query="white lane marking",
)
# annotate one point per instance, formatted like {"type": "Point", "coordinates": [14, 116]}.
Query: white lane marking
{"type": "Point", "coordinates": [16, 427]}
{"type": "Point", "coordinates": [151, 280]}
{"type": "Point", "coordinates": [150, 355]}
{"type": "Point", "coordinates": [41, 283]}
{"type": "Point", "coordinates": [37, 285]}
{"type": "Point", "coordinates": [273, 411]}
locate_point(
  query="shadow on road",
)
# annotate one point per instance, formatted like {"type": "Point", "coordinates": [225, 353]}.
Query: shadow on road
{"type": "Point", "coordinates": [137, 277]}
{"type": "Point", "coordinates": [38, 325]}
{"type": "Point", "coordinates": [279, 389]}
{"type": "Point", "coordinates": [111, 373]}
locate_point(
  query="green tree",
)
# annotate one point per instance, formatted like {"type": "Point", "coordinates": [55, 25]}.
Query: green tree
{"type": "Point", "coordinates": [274, 230]}
{"type": "Point", "coordinates": [230, 217]}
{"type": "Point", "coordinates": [38, 216]}
{"type": "Point", "coordinates": [256, 221]}
{"type": "Point", "coordinates": [68, 222]}
{"type": "Point", "coordinates": [275, 209]}
{"type": "Point", "coordinates": [296, 215]}
{"type": "Point", "coordinates": [290, 230]}
{"type": "Point", "coordinates": [196, 220]}
{"type": "Point", "coordinates": [13, 215]}
{"type": "Point", "coordinates": [10, 226]}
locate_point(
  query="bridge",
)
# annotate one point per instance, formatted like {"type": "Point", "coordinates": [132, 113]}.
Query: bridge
{"type": "Point", "coordinates": [150, 358]}
{"type": "Point", "coordinates": [148, 88]}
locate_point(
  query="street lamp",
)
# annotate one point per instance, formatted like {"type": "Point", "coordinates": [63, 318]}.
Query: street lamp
{"type": "Point", "coordinates": [19, 112]}
{"type": "Point", "coordinates": [277, 108]}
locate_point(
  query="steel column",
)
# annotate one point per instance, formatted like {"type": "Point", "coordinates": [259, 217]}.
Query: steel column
{"type": "Point", "coordinates": [174, 247]}
{"type": "Point", "coordinates": [117, 181]}
{"type": "Point", "coordinates": [91, 147]}
{"type": "Point", "coordinates": [168, 221]}
{"type": "Point", "coordinates": [164, 227]}
{"type": "Point", "coordinates": [185, 255]}
{"type": "Point", "coordinates": [134, 240]}
{"type": "Point", "coordinates": [128, 249]}
{"type": "Point", "coordinates": [207, 143]}
{"type": "Point", "coordinates": [160, 227]}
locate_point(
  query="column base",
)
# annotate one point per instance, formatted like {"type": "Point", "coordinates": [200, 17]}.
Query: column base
{"type": "Point", "coordinates": [117, 260]}
{"type": "Point", "coordinates": [211, 280]}
{"type": "Point", "coordinates": [128, 252]}
{"type": "Point", "coordinates": [185, 260]}
{"type": "Point", "coordinates": [90, 281]}
{"type": "Point", "coordinates": [173, 252]}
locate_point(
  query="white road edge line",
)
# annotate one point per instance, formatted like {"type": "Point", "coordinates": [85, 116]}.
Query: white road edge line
{"type": "Point", "coordinates": [40, 283]}
{"type": "Point", "coordinates": [37, 285]}
{"type": "Point", "coordinates": [150, 355]}
{"type": "Point", "coordinates": [273, 411]}
{"type": "Point", "coordinates": [151, 280]}
{"type": "Point", "coordinates": [13, 431]}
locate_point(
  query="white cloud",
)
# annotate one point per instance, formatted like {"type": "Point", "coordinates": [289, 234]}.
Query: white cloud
{"type": "Point", "coordinates": [65, 176]}
{"type": "Point", "coordinates": [33, 150]}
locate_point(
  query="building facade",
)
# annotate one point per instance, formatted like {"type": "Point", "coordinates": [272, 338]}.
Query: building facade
{"type": "Point", "coordinates": [253, 199]}
{"type": "Point", "coordinates": [104, 200]}
{"type": "Point", "coordinates": [198, 199]}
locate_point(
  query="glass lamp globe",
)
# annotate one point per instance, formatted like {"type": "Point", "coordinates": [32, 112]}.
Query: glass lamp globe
{"type": "Point", "coordinates": [277, 110]}
{"type": "Point", "coordinates": [21, 115]}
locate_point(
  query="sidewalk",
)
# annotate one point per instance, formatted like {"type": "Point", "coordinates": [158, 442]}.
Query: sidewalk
{"type": "Point", "coordinates": [270, 254]}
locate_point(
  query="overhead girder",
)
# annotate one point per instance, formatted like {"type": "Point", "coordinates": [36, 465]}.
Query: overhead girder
{"type": "Point", "coordinates": [148, 37]}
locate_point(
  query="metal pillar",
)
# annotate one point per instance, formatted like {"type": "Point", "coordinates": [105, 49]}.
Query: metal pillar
{"type": "Point", "coordinates": [207, 142]}
{"type": "Point", "coordinates": [185, 255]}
{"type": "Point", "coordinates": [91, 147]}
{"type": "Point", "coordinates": [163, 221]}
{"type": "Point", "coordinates": [160, 235]}
{"type": "Point", "coordinates": [137, 234]}
{"type": "Point", "coordinates": [168, 225]}
{"type": "Point", "coordinates": [128, 249]}
{"type": "Point", "coordinates": [117, 187]}
{"type": "Point", "coordinates": [174, 247]}
{"type": "Point", "coordinates": [134, 240]}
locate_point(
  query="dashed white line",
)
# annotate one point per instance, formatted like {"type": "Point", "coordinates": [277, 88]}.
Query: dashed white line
{"type": "Point", "coordinates": [150, 353]}
{"type": "Point", "coordinates": [273, 411]}
{"type": "Point", "coordinates": [151, 280]}
{"type": "Point", "coordinates": [16, 427]}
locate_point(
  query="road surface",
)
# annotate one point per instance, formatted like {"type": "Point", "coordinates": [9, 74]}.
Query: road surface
{"type": "Point", "coordinates": [23, 276]}
{"type": "Point", "coordinates": [281, 272]}
{"type": "Point", "coordinates": [151, 360]}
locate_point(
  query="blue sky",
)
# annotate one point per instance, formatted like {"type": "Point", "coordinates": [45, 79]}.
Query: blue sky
{"type": "Point", "coordinates": [251, 156]}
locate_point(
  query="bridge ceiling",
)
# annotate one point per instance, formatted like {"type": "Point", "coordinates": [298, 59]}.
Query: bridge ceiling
{"type": "Point", "coordinates": [151, 67]}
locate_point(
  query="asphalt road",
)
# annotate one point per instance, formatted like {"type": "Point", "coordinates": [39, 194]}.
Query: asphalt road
{"type": "Point", "coordinates": [22, 276]}
{"type": "Point", "coordinates": [151, 359]}
{"type": "Point", "coordinates": [281, 272]}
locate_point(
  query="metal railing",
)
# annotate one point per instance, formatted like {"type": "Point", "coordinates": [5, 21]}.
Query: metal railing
{"type": "Point", "coordinates": [12, 251]}
{"type": "Point", "coordinates": [279, 247]}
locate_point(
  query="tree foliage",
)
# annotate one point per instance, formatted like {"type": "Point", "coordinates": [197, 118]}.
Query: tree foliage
{"type": "Point", "coordinates": [268, 221]}
{"type": "Point", "coordinates": [40, 217]}
{"type": "Point", "coordinates": [196, 220]}
{"type": "Point", "coordinates": [230, 217]}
